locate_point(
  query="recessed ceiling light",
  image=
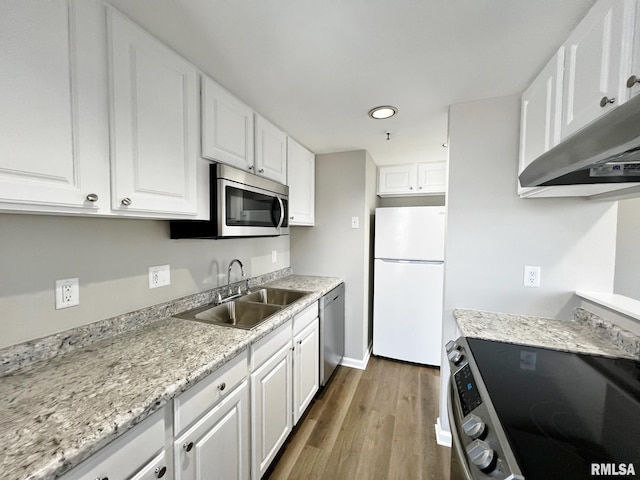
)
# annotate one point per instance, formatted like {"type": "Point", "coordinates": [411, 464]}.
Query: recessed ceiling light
{"type": "Point", "coordinates": [380, 113]}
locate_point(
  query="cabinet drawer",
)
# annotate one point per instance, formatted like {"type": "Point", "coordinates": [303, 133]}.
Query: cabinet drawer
{"type": "Point", "coordinates": [266, 347]}
{"type": "Point", "coordinates": [127, 454]}
{"type": "Point", "coordinates": [305, 318]}
{"type": "Point", "coordinates": [192, 404]}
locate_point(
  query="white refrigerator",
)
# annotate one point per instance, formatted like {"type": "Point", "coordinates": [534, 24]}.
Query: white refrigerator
{"type": "Point", "coordinates": [408, 283]}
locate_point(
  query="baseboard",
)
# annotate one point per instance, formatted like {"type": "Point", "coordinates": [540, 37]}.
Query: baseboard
{"type": "Point", "coordinates": [443, 437]}
{"type": "Point", "coordinates": [357, 363]}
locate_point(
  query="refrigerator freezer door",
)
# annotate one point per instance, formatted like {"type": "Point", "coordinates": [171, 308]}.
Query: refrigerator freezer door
{"type": "Point", "coordinates": [410, 233]}
{"type": "Point", "coordinates": [407, 311]}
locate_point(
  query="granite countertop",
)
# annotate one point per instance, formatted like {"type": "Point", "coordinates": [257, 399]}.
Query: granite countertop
{"type": "Point", "coordinates": [57, 412]}
{"type": "Point", "coordinates": [586, 333]}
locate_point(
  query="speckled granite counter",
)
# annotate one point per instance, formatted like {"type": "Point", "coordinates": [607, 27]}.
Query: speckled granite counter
{"type": "Point", "coordinates": [57, 412]}
{"type": "Point", "coordinates": [587, 333]}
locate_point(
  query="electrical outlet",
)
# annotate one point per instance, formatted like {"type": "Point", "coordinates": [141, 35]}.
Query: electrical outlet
{"type": "Point", "coordinates": [159, 276]}
{"type": "Point", "coordinates": [67, 293]}
{"type": "Point", "coordinates": [274, 256]}
{"type": "Point", "coordinates": [531, 276]}
{"type": "Point", "coordinates": [355, 222]}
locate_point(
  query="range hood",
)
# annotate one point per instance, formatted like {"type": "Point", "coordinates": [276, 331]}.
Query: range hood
{"type": "Point", "coordinates": [605, 151]}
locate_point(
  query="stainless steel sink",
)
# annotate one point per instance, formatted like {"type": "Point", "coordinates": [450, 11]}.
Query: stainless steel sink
{"type": "Point", "coordinates": [273, 296]}
{"type": "Point", "coordinates": [236, 314]}
{"type": "Point", "coordinates": [247, 311]}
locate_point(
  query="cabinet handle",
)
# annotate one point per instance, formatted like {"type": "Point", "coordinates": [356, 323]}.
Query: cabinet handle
{"type": "Point", "coordinates": [92, 197]}
{"type": "Point", "coordinates": [102, 478]}
{"type": "Point", "coordinates": [222, 386]}
{"type": "Point", "coordinates": [126, 201]}
{"type": "Point", "coordinates": [160, 471]}
{"type": "Point", "coordinates": [261, 170]}
{"type": "Point", "coordinates": [605, 100]}
{"type": "Point", "coordinates": [188, 446]}
{"type": "Point", "coordinates": [632, 80]}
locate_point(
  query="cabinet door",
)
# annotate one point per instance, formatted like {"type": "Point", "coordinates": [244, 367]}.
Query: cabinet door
{"type": "Point", "coordinates": [598, 57]}
{"type": "Point", "coordinates": [154, 124]}
{"type": "Point", "coordinates": [397, 179]}
{"type": "Point", "coordinates": [633, 84]}
{"type": "Point", "coordinates": [541, 112]}
{"type": "Point", "coordinates": [271, 150]}
{"type": "Point", "coordinates": [306, 368]}
{"type": "Point", "coordinates": [301, 170]}
{"type": "Point", "coordinates": [53, 157]}
{"type": "Point", "coordinates": [432, 178]}
{"type": "Point", "coordinates": [218, 445]}
{"type": "Point", "coordinates": [156, 468]}
{"type": "Point", "coordinates": [227, 127]}
{"type": "Point", "coordinates": [271, 408]}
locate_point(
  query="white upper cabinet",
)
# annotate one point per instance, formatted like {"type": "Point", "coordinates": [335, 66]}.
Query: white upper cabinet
{"type": "Point", "coordinates": [271, 150]}
{"type": "Point", "coordinates": [301, 167]}
{"type": "Point", "coordinates": [54, 144]}
{"type": "Point", "coordinates": [227, 127]}
{"type": "Point", "coordinates": [432, 178]}
{"type": "Point", "coordinates": [633, 81]}
{"type": "Point", "coordinates": [597, 65]}
{"type": "Point", "coordinates": [154, 124]}
{"type": "Point", "coordinates": [412, 179]}
{"type": "Point", "coordinates": [541, 113]}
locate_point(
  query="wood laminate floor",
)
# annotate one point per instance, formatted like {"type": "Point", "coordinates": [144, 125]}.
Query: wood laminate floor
{"type": "Point", "coordinates": [371, 424]}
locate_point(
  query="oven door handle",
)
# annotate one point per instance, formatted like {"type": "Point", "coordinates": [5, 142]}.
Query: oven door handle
{"type": "Point", "coordinates": [281, 221]}
{"type": "Point", "coordinates": [457, 444]}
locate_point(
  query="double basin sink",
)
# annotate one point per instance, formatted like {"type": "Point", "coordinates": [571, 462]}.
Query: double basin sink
{"type": "Point", "coordinates": [246, 311]}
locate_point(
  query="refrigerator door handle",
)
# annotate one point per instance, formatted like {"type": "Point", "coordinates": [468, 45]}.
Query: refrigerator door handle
{"type": "Point", "coordinates": [398, 260]}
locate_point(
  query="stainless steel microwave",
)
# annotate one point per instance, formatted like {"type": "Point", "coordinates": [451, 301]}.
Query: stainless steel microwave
{"type": "Point", "coordinates": [242, 205]}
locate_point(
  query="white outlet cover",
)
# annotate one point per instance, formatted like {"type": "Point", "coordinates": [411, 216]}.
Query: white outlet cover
{"type": "Point", "coordinates": [274, 256]}
{"type": "Point", "coordinates": [67, 293]}
{"type": "Point", "coordinates": [159, 276]}
{"type": "Point", "coordinates": [531, 276]}
{"type": "Point", "coordinates": [355, 222]}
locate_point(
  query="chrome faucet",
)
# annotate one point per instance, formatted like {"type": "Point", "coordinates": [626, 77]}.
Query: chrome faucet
{"type": "Point", "coordinates": [235, 260]}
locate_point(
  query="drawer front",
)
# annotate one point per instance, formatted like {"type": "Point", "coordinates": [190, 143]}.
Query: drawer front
{"type": "Point", "coordinates": [156, 468]}
{"type": "Point", "coordinates": [266, 347]}
{"type": "Point", "coordinates": [305, 318]}
{"type": "Point", "coordinates": [127, 454]}
{"type": "Point", "coordinates": [193, 403]}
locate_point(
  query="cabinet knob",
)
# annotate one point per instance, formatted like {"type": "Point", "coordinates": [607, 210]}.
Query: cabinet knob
{"type": "Point", "coordinates": [160, 471]}
{"type": "Point", "coordinates": [290, 218]}
{"type": "Point", "coordinates": [410, 188]}
{"type": "Point", "coordinates": [188, 446]}
{"type": "Point", "coordinates": [92, 197]}
{"type": "Point", "coordinates": [261, 170]}
{"type": "Point", "coordinates": [102, 478]}
{"type": "Point", "coordinates": [126, 201]}
{"type": "Point", "coordinates": [420, 188]}
{"type": "Point", "coordinates": [632, 80]}
{"type": "Point", "coordinates": [605, 100]}
{"type": "Point", "coordinates": [250, 167]}
{"type": "Point", "coordinates": [222, 386]}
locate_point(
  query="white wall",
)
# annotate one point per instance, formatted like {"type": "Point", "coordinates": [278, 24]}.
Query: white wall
{"type": "Point", "coordinates": [627, 278]}
{"type": "Point", "coordinates": [345, 188]}
{"type": "Point", "coordinates": [492, 233]}
{"type": "Point", "coordinates": [111, 258]}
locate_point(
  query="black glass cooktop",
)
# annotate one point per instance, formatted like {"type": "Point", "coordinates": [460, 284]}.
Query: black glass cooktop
{"type": "Point", "coordinates": [566, 415]}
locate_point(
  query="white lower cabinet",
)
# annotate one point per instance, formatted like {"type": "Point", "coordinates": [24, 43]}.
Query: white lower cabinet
{"type": "Point", "coordinates": [217, 446]}
{"type": "Point", "coordinates": [271, 396]}
{"type": "Point", "coordinates": [306, 361]}
{"type": "Point", "coordinates": [138, 454]}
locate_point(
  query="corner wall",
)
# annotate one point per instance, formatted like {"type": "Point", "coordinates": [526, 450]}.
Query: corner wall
{"type": "Point", "coordinates": [492, 233]}
{"type": "Point", "coordinates": [345, 188]}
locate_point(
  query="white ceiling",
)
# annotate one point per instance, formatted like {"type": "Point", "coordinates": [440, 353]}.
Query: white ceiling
{"type": "Point", "coordinates": [316, 67]}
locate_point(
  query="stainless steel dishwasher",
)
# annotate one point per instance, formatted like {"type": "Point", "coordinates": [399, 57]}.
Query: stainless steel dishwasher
{"type": "Point", "coordinates": [331, 332]}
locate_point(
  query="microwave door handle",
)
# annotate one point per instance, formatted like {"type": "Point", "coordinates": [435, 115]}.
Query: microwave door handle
{"type": "Point", "coordinates": [281, 213]}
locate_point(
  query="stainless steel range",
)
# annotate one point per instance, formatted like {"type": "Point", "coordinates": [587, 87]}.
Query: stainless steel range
{"type": "Point", "coordinates": [521, 412]}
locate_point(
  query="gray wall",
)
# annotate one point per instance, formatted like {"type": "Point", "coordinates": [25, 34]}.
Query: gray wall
{"type": "Point", "coordinates": [345, 188]}
{"type": "Point", "coordinates": [111, 258]}
{"type": "Point", "coordinates": [627, 278]}
{"type": "Point", "coordinates": [492, 233]}
{"type": "Point", "coordinates": [426, 201]}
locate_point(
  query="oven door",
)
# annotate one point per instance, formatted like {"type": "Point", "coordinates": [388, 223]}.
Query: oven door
{"type": "Point", "coordinates": [459, 467]}
{"type": "Point", "coordinates": [247, 211]}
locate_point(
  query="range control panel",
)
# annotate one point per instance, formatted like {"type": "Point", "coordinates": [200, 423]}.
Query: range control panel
{"type": "Point", "coordinates": [467, 389]}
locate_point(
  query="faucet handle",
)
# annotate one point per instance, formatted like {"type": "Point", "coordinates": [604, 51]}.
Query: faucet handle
{"type": "Point", "coordinates": [218, 299]}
